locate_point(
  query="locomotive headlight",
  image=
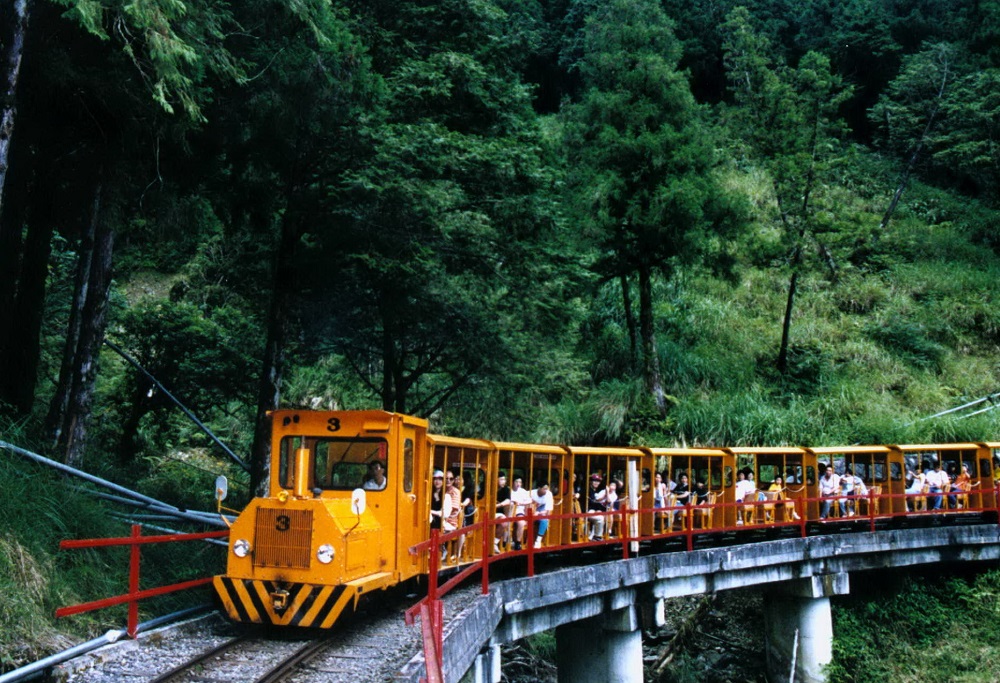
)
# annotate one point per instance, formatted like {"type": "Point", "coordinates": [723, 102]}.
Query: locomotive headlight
{"type": "Point", "coordinates": [325, 553]}
{"type": "Point", "coordinates": [241, 548]}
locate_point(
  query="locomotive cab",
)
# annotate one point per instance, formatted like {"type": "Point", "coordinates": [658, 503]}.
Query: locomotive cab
{"type": "Point", "coordinates": [341, 484]}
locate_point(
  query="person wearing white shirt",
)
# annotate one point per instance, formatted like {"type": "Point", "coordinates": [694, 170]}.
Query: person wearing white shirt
{"type": "Point", "coordinates": [937, 481]}
{"type": "Point", "coordinates": [829, 484]}
{"type": "Point", "coordinates": [744, 492]}
{"type": "Point", "coordinates": [543, 502]}
{"type": "Point", "coordinates": [847, 490]}
{"type": "Point", "coordinates": [520, 498]}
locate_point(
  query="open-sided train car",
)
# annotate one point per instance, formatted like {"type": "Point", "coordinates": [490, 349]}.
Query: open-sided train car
{"type": "Point", "coordinates": [350, 492]}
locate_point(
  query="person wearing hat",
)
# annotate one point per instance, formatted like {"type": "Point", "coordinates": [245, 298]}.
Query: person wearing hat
{"type": "Point", "coordinates": [438, 500]}
{"type": "Point", "coordinates": [597, 499]}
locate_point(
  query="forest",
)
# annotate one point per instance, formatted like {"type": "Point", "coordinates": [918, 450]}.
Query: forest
{"type": "Point", "coordinates": [574, 221]}
{"type": "Point", "coordinates": [730, 222]}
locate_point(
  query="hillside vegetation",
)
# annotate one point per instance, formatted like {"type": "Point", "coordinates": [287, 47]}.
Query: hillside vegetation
{"type": "Point", "coordinates": [588, 221]}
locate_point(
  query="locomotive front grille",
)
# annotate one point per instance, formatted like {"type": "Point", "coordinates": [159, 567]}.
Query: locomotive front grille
{"type": "Point", "coordinates": [283, 538]}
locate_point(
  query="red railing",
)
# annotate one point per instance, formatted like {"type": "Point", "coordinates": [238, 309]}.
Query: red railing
{"type": "Point", "coordinates": [430, 609]}
{"type": "Point", "coordinates": [134, 595]}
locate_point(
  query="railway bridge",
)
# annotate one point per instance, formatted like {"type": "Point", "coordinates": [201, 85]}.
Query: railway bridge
{"type": "Point", "coordinates": [598, 611]}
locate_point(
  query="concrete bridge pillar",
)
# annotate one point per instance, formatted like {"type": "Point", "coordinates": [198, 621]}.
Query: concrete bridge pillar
{"type": "Point", "coordinates": [486, 667]}
{"type": "Point", "coordinates": [606, 648]}
{"type": "Point", "coordinates": [799, 629]}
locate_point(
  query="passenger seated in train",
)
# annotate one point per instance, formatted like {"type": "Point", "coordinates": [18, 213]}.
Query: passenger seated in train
{"type": "Point", "coordinates": [829, 485]}
{"type": "Point", "coordinates": [543, 502]}
{"type": "Point", "coordinates": [502, 533]}
{"type": "Point", "coordinates": [847, 491]}
{"type": "Point", "coordinates": [914, 486]}
{"type": "Point", "coordinates": [614, 503]}
{"type": "Point", "coordinates": [962, 484]}
{"type": "Point", "coordinates": [521, 498]}
{"type": "Point", "coordinates": [777, 487]}
{"type": "Point", "coordinates": [745, 490]}
{"type": "Point", "coordinates": [659, 503]}
{"type": "Point", "coordinates": [375, 479]}
{"type": "Point", "coordinates": [597, 497]}
{"type": "Point", "coordinates": [937, 482]}
{"type": "Point", "coordinates": [682, 498]}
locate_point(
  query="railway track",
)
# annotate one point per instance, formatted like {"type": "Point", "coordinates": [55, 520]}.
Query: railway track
{"type": "Point", "coordinates": [234, 656]}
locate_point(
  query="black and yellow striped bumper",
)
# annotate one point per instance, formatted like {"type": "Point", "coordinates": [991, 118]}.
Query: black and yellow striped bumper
{"type": "Point", "coordinates": [268, 602]}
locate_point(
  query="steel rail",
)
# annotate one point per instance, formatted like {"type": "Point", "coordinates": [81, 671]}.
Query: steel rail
{"type": "Point", "coordinates": [183, 668]}
{"type": "Point", "coordinates": [303, 655]}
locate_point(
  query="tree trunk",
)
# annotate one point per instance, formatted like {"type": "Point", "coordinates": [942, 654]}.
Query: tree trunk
{"type": "Point", "coordinates": [23, 347]}
{"type": "Point", "coordinates": [904, 178]}
{"type": "Point", "coordinates": [55, 421]}
{"type": "Point", "coordinates": [651, 359]}
{"type": "Point", "coordinates": [629, 318]}
{"type": "Point", "coordinates": [272, 371]}
{"type": "Point", "coordinates": [14, 26]}
{"type": "Point", "coordinates": [786, 326]}
{"type": "Point", "coordinates": [15, 18]}
{"type": "Point", "coordinates": [92, 325]}
{"type": "Point", "coordinates": [141, 406]}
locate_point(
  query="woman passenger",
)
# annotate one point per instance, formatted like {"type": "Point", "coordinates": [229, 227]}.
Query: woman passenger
{"type": "Point", "coordinates": [962, 484]}
{"type": "Point", "coordinates": [659, 500]}
{"type": "Point", "coordinates": [778, 486]}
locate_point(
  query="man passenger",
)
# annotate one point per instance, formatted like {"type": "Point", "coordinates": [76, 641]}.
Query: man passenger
{"type": "Point", "coordinates": [375, 480]}
{"type": "Point", "coordinates": [543, 501]}
{"type": "Point", "coordinates": [829, 485]}
{"type": "Point", "coordinates": [521, 498]}
{"type": "Point", "coordinates": [937, 481]}
{"type": "Point", "coordinates": [502, 533]}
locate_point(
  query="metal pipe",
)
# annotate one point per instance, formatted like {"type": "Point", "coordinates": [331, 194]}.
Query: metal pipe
{"type": "Point", "coordinates": [38, 668]}
{"type": "Point", "coordinates": [991, 397]}
{"type": "Point", "coordinates": [203, 518]}
{"type": "Point", "coordinates": [197, 516]}
{"type": "Point", "coordinates": [135, 364]}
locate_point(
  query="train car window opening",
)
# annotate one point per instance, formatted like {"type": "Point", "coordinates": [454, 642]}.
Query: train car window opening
{"type": "Point", "coordinates": [861, 470]}
{"type": "Point", "coordinates": [647, 479]}
{"type": "Point", "coordinates": [895, 471]}
{"type": "Point", "coordinates": [984, 468]}
{"type": "Point", "coordinates": [286, 460]}
{"type": "Point", "coordinates": [342, 464]}
{"type": "Point", "coordinates": [715, 474]}
{"type": "Point", "coordinates": [810, 475]}
{"type": "Point", "coordinates": [879, 472]}
{"type": "Point", "coordinates": [793, 474]}
{"type": "Point", "coordinates": [408, 465]}
{"type": "Point", "coordinates": [766, 474]}
{"type": "Point", "coordinates": [479, 477]}
{"type": "Point", "coordinates": [729, 476]}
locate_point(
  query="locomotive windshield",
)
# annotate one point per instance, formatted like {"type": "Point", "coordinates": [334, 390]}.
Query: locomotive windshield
{"type": "Point", "coordinates": [342, 463]}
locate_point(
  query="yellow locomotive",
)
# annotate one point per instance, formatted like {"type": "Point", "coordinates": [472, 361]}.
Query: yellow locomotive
{"type": "Point", "coordinates": [351, 491]}
{"type": "Point", "coordinates": [340, 513]}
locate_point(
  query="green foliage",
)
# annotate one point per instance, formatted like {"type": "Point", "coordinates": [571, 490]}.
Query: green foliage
{"type": "Point", "coordinates": [172, 44]}
{"type": "Point", "coordinates": [898, 636]}
{"type": "Point", "coordinates": [909, 340]}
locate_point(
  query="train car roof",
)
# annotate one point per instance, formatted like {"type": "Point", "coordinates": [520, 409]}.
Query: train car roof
{"type": "Point", "coordinates": [530, 448]}
{"type": "Point", "coordinates": [604, 450]}
{"type": "Point", "coordinates": [938, 447]}
{"type": "Point", "coordinates": [764, 450]}
{"type": "Point", "coordinates": [687, 451]}
{"type": "Point", "coordinates": [992, 444]}
{"type": "Point", "coordinates": [440, 440]}
{"type": "Point", "coordinates": [833, 450]}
